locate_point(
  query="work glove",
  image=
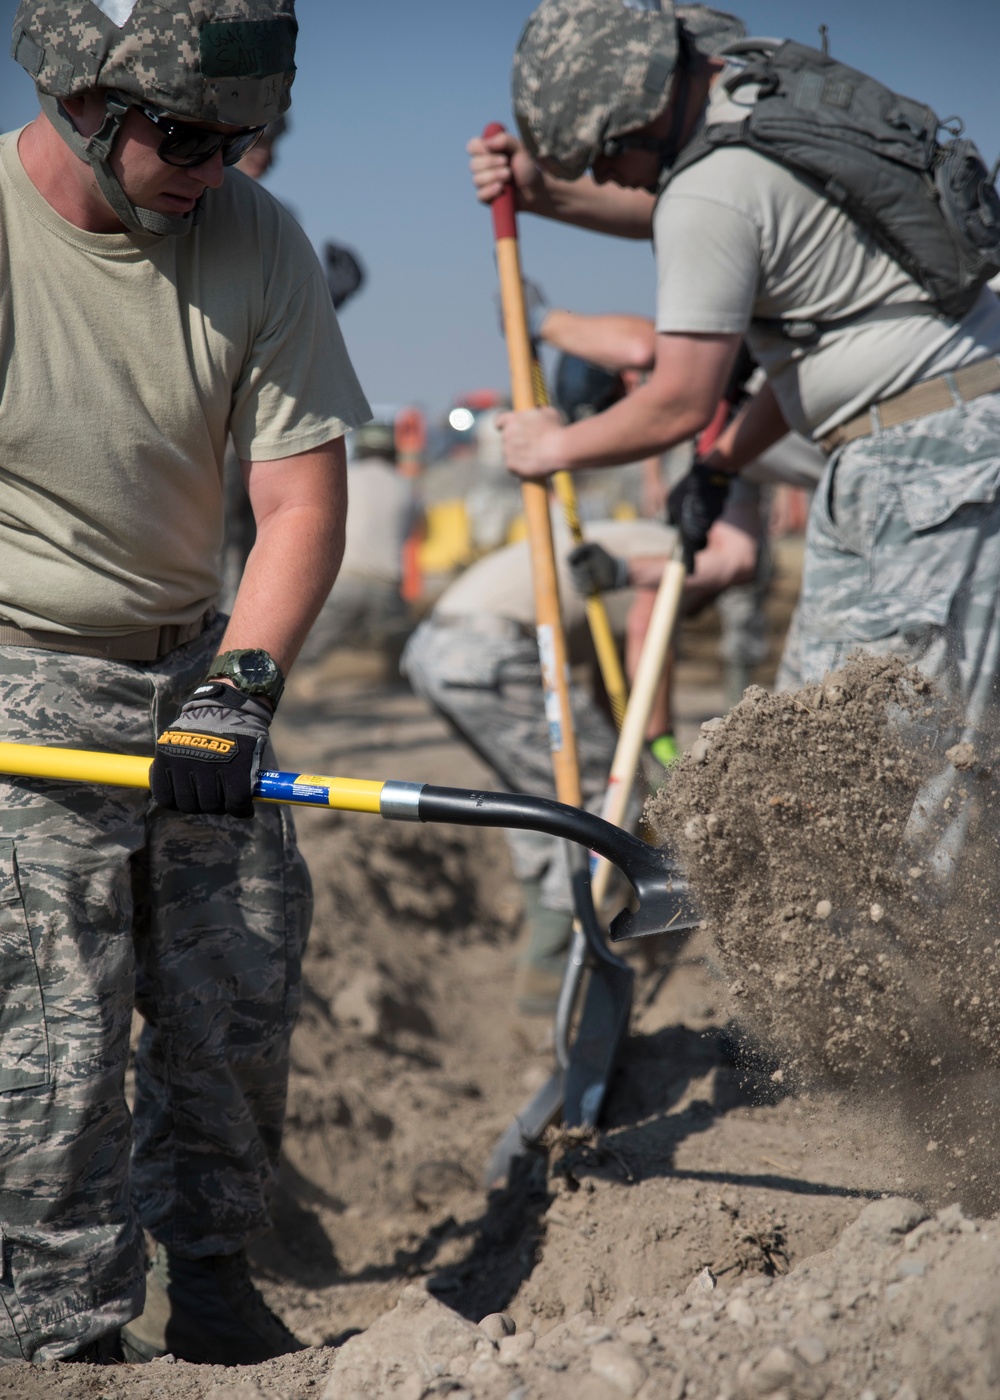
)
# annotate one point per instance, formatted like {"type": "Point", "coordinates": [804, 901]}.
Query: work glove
{"type": "Point", "coordinates": [209, 758]}
{"type": "Point", "coordinates": [536, 308]}
{"type": "Point", "coordinates": [594, 570]}
{"type": "Point", "coordinates": [695, 504]}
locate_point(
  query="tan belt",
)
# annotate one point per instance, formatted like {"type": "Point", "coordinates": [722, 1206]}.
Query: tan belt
{"type": "Point", "coordinates": [932, 396]}
{"type": "Point", "coordinates": [149, 645]}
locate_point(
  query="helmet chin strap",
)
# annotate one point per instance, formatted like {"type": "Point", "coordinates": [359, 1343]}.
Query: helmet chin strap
{"type": "Point", "coordinates": [96, 151]}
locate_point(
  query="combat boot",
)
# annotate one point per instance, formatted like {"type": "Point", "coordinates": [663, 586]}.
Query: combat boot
{"type": "Point", "coordinates": [206, 1311]}
{"type": "Point", "coordinates": [104, 1351]}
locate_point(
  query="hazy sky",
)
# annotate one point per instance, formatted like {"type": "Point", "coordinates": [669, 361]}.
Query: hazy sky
{"type": "Point", "coordinates": [386, 96]}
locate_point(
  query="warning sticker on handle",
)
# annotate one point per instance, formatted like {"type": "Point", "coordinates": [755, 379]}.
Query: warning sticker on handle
{"type": "Point", "coordinates": [553, 709]}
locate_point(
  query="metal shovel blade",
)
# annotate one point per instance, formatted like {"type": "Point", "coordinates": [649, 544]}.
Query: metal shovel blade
{"type": "Point", "coordinates": [604, 1020]}
{"type": "Point", "coordinates": [576, 1090]}
{"type": "Point", "coordinates": [545, 1105]}
{"type": "Point", "coordinates": [526, 1129]}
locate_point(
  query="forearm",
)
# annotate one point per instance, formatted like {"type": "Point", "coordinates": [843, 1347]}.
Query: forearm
{"type": "Point", "coordinates": [610, 208]}
{"type": "Point", "coordinates": [641, 425]}
{"type": "Point", "coordinates": [301, 513]}
{"type": "Point", "coordinates": [615, 342]}
{"type": "Point", "coordinates": [758, 426]}
{"type": "Point", "coordinates": [731, 558]}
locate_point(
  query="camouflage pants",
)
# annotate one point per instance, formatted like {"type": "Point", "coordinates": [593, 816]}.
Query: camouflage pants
{"type": "Point", "coordinates": [105, 899]}
{"type": "Point", "coordinates": [490, 688]}
{"type": "Point", "coordinates": [903, 555]}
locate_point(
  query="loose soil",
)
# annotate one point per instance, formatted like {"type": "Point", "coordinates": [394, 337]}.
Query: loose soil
{"type": "Point", "coordinates": [744, 1223]}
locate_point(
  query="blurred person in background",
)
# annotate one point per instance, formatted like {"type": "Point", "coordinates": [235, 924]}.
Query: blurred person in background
{"type": "Point", "coordinates": [365, 606]}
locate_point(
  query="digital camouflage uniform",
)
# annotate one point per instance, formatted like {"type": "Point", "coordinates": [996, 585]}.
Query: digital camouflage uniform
{"type": "Point", "coordinates": [209, 915]}
{"type": "Point", "coordinates": [107, 900]}
{"type": "Point", "coordinates": [903, 555]}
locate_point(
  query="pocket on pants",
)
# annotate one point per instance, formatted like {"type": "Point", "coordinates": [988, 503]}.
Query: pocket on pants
{"type": "Point", "coordinates": [24, 1047]}
{"type": "Point", "coordinates": [895, 549]}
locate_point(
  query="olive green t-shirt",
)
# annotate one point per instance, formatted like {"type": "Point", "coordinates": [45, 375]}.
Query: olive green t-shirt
{"type": "Point", "coordinates": [125, 362]}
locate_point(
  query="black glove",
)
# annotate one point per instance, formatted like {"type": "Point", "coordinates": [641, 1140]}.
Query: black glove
{"type": "Point", "coordinates": [594, 570]}
{"type": "Point", "coordinates": [695, 504]}
{"type": "Point", "coordinates": [208, 760]}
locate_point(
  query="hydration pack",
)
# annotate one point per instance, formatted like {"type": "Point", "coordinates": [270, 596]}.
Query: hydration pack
{"type": "Point", "coordinates": [930, 204]}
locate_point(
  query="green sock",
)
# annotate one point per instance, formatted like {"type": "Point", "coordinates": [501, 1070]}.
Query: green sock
{"type": "Point", "coordinates": [665, 749]}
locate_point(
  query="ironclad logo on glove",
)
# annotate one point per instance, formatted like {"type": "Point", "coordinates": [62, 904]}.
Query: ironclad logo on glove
{"type": "Point", "coordinates": [190, 745]}
{"type": "Point", "coordinates": [208, 760]}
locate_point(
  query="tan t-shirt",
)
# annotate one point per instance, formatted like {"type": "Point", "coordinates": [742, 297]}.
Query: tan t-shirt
{"type": "Point", "coordinates": [125, 362]}
{"type": "Point", "coordinates": [740, 237]}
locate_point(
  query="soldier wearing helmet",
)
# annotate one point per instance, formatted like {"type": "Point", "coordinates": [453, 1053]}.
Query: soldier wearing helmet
{"type": "Point", "coordinates": [636, 117]}
{"type": "Point", "coordinates": [160, 304]}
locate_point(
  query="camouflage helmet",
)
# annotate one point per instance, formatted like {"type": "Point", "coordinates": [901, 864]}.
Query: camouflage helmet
{"type": "Point", "coordinates": [586, 71]}
{"type": "Point", "coordinates": [227, 61]}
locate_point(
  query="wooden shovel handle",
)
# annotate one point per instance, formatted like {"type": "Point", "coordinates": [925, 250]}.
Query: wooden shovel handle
{"type": "Point", "coordinates": [535, 497]}
{"type": "Point", "coordinates": [648, 675]}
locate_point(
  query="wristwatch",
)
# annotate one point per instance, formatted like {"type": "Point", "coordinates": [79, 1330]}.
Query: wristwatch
{"type": "Point", "coordinates": [252, 670]}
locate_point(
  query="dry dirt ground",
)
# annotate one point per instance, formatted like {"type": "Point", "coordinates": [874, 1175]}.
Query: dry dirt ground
{"type": "Point", "coordinates": [724, 1237]}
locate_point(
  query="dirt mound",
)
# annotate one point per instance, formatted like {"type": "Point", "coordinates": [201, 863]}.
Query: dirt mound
{"type": "Point", "coordinates": [817, 828]}
{"type": "Point", "coordinates": [824, 1330]}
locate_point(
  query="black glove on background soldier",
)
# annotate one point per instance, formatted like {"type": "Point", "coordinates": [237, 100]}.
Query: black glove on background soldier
{"type": "Point", "coordinates": [594, 570]}
{"type": "Point", "coordinates": [695, 504]}
{"type": "Point", "coordinates": [209, 758]}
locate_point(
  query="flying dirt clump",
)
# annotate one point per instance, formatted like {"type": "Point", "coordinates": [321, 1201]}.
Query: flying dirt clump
{"type": "Point", "coordinates": [812, 826]}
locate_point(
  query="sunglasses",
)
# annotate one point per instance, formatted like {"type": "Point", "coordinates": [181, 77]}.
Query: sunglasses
{"type": "Point", "coordinates": [184, 143]}
{"type": "Point", "coordinates": [617, 145]}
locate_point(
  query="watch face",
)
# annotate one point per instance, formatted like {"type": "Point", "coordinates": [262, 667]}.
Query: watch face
{"type": "Point", "coordinates": [256, 668]}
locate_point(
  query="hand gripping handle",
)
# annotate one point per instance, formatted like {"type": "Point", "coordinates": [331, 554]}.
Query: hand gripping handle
{"type": "Point", "coordinates": [503, 208]}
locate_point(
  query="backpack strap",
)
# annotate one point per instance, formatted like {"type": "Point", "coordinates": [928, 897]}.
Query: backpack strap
{"type": "Point", "coordinates": [809, 333]}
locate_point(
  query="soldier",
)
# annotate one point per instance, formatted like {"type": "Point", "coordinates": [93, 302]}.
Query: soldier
{"type": "Point", "coordinates": [893, 371]}
{"type": "Point", "coordinates": [159, 304]}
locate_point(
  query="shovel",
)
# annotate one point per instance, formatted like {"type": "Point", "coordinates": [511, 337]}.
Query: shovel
{"type": "Point", "coordinates": [525, 380]}
{"type": "Point", "coordinates": [577, 1087]}
{"type": "Point", "coordinates": [659, 894]}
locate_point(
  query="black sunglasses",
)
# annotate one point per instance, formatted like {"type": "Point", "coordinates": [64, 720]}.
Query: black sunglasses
{"type": "Point", "coordinates": [184, 143]}
{"type": "Point", "coordinates": [617, 145]}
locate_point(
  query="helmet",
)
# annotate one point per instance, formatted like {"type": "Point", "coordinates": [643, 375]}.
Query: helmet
{"type": "Point", "coordinates": [229, 61]}
{"type": "Point", "coordinates": [583, 389]}
{"type": "Point", "coordinates": [375, 439]}
{"type": "Point", "coordinates": [586, 71]}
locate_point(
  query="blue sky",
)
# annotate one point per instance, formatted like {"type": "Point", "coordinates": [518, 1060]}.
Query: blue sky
{"type": "Point", "coordinates": [386, 96]}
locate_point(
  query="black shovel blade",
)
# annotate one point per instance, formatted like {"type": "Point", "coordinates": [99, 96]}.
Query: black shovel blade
{"type": "Point", "coordinates": [602, 1032]}
{"type": "Point", "coordinates": [665, 906]}
{"type": "Point", "coordinates": [607, 1007]}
